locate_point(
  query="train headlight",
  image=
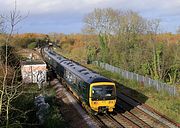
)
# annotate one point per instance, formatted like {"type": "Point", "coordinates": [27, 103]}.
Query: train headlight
{"type": "Point", "coordinates": [111, 102]}
{"type": "Point", "coordinates": [95, 102]}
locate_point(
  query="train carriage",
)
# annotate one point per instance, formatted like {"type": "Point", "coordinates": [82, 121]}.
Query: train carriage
{"type": "Point", "coordinates": [97, 93]}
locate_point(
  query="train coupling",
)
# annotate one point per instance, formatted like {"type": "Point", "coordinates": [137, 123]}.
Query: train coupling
{"type": "Point", "coordinates": [103, 109]}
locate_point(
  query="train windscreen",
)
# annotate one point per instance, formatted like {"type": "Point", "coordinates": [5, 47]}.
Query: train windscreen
{"type": "Point", "coordinates": [103, 92]}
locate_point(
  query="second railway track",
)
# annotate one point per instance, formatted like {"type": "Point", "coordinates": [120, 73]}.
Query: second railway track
{"type": "Point", "coordinates": [139, 114]}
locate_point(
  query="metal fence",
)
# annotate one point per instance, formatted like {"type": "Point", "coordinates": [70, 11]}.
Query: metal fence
{"type": "Point", "coordinates": [146, 81]}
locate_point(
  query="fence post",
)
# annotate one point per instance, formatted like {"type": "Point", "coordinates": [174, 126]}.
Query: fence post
{"type": "Point", "coordinates": [126, 74]}
{"type": "Point", "coordinates": [137, 76]}
{"type": "Point", "coordinates": [149, 82]}
{"type": "Point", "coordinates": [102, 64]}
{"type": "Point", "coordinates": [109, 67]}
{"type": "Point", "coordinates": [174, 90]}
{"type": "Point", "coordinates": [112, 69]}
{"type": "Point", "coordinates": [143, 79]}
{"type": "Point", "coordinates": [123, 74]}
{"type": "Point", "coordinates": [157, 86]}
{"type": "Point", "coordinates": [106, 66]}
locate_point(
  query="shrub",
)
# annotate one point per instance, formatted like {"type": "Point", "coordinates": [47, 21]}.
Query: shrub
{"type": "Point", "coordinates": [32, 45]}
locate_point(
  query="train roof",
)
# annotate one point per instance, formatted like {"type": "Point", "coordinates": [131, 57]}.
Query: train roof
{"type": "Point", "coordinates": [87, 75]}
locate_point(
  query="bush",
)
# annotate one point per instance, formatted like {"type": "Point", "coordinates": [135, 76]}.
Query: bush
{"type": "Point", "coordinates": [54, 118]}
{"type": "Point", "coordinates": [32, 45]}
{"type": "Point", "coordinates": [25, 112]}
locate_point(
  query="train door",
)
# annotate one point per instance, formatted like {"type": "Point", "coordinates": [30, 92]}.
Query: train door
{"type": "Point", "coordinates": [83, 89]}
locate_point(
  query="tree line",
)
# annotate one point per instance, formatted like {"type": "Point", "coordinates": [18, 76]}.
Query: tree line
{"type": "Point", "coordinates": [131, 42]}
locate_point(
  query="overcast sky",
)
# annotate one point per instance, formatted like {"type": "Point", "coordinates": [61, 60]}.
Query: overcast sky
{"type": "Point", "coordinates": [66, 16]}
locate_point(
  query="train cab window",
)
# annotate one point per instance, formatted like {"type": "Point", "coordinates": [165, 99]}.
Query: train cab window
{"type": "Point", "coordinates": [108, 90]}
{"type": "Point", "coordinates": [103, 92]}
{"type": "Point", "coordinates": [97, 91]}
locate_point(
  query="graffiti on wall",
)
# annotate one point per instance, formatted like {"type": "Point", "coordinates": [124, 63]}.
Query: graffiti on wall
{"type": "Point", "coordinates": [34, 76]}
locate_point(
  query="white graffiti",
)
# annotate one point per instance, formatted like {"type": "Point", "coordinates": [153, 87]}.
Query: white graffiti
{"type": "Point", "coordinates": [37, 76]}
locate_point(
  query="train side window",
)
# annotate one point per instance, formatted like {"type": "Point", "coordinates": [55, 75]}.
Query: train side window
{"type": "Point", "coordinates": [73, 78]}
{"type": "Point", "coordinates": [78, 80]}
{"type": "Point", "coordinates": [70, 77]}
{"type": "Point", "coordinates": [67, 74]}
{"type": "Point", "coordinates": [83, 86]}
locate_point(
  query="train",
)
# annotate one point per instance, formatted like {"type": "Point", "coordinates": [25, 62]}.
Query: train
{"type": "Point", "coordinates": [96, 93]}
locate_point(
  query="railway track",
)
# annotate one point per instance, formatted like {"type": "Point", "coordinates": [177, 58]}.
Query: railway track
{"type": "Point", "coordinates": [124, 121]}
{"type": "Point", "coordinates": [142, 115]}
{"type": "Point", "coordinates": [131, 117]}
{"type": "Point", "coordinates": [106, 121]}
{"type": "Point", "coordinates": [129, 113]}
{"type": "Point", "coordinates": [102, 121]}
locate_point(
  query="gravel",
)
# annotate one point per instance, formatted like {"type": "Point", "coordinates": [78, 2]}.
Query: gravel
{"type": "Point", "coordinates": [71, 110]}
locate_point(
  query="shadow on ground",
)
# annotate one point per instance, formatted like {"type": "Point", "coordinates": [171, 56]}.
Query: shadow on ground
{"type": "Point", "coordinates": [128, 98]}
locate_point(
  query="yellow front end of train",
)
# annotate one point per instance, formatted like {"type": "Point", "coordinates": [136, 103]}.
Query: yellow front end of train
{"type": "Point", "coordinates": [102, 97]}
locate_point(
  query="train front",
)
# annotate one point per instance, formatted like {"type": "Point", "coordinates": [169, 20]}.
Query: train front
{"type": "Point", "coordinates": [102, 97]}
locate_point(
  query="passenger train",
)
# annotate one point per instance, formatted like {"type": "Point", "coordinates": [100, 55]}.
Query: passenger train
{"type": "Point", "coordinates": [96, 93]}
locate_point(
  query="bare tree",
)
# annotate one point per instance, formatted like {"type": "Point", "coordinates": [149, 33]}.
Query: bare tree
{"type": "Point", "coordinates": [1, 24]}
{"type": "Point", "coordinates": [131, 24]}
{"type": "Point", "coordinates": [102, 22]}
{"type": "Point", "coordinates": [9, 88]}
